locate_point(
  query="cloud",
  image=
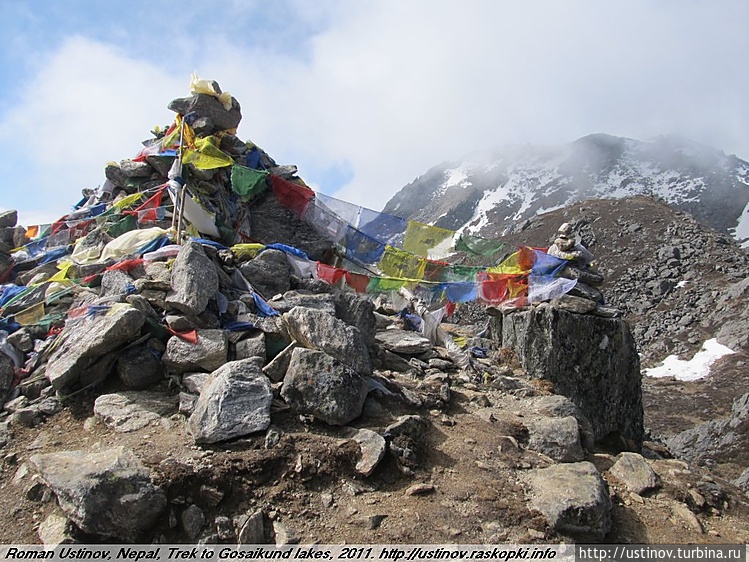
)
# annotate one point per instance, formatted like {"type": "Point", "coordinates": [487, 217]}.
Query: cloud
{"type": "Point", "coordinates": [365, 96]}
{"type": "Point", "coordinates": [88, 105]}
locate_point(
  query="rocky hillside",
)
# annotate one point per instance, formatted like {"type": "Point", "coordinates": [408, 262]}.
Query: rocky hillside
{"type": "Point", "coordinates": [678, 284]}
{"type": "Point", "coordinates": [491, 192]}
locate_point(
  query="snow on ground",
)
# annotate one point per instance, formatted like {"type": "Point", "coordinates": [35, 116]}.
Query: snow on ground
{"type": "Point", "coordinates": [696, 368]}
{"type": "Point", "coordinates": [741, 232]}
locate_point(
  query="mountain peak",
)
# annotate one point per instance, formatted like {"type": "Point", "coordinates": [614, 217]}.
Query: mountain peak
{"type": "Point", "coordinates": [492, 194]}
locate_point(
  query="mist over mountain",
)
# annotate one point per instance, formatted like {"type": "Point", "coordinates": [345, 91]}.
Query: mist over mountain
{"type": "Point", "coordinates": [490, 193]}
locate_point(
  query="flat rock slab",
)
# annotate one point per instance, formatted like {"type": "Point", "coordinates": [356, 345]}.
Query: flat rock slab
{"type": "Point", "coordinates": [87, 340]}
{"type": "Point", "coordinates": [403, 342]}
{"type": "Point", "coordinates": [108, 493]}
{"type": "Point", "coordinates": [130, 411]}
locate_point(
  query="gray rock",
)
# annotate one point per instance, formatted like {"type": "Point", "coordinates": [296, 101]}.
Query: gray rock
{"type": "Point", "coordinates": [412, 426]}
{"type": "Point", "coordinates": [441, 364]}
{"type": "Point", "coordinates": [187, 403]}
{"type": "Point", "coordinates": [591, 360]}
{"type": "Point", "coordinates": [632, 470]}
{"type": "Point", "coordinates": [276, 369]}
{"type": "Point", "coordinates": [324, 301]}
{"type": "Point", "coordinates": [208, 354]}
{"type": "Point", "coordinates": [49, 406]}
{"type": "Point", "coordinates": [8, 219]}
{"type": "Point", "coordinates": [209, 110]}
{"type": "Point", "coordinates": [108, 493]}
{"type": "Point", "coordinates": [4, 433]}
{"type": "Point", "coordinates": [89, 339]}
{"type": "Point", "coordinates": [358, 312]}
{"type": "Point", "coordinates": [6, 376]}
{"type": "Point", "coordinates": [43, 271]}
{"type": "Point", "coordinates": [723, 439]}
{"type": "Point", "coordinates": [372, 446]}
{"type": "Point", "coordinates": [403, 342]}
{"type": "Point", "coordinates": [252, 346]}
{"type": "Point", "coordinates": [250, 528]}
{"type": "Point", "coordinates": [575, 304]}
{"type": "Point", "coordinates": [132, 410]}
{"type": "Point", "coordinates": [192, 521]}
{"type": "Point", "coordinates": [394, 362]}
{"type": "Point", "coordinates": [742, 481]}
{"type": "Point", "coordinates": [225, 528]}
{"type": "Point", "coordinates": [318, 330]}
{"type": "Point", "coordinates": [21, 340]}
{"type": "Point", "coordinates": [194, 280]}
{"type": "Point", "coordinates": [284, 534]}
{"type": "Point", "coordinates": [558, 406]}
{"type": "Point", "coordinates": [140, 367]}
{"type": "Point", "coordinates": [268, 273]}
{"type": "Point", "coordinates": [236, 402]}
{"type": "Point", "coordinates": [196, 382]}
{"type": "Point", "coordinates": [56, 529]}
{"type": "Point", "coordinates": [135, 169]}
{"type": "Point", "coordinates": [557, 438]}
{"type": "Point", "coordinates": [573, 499]}
{"type": "Point", "coordinates": [318, 384]}
{"type": "Point", "coordinates": [116, 282]}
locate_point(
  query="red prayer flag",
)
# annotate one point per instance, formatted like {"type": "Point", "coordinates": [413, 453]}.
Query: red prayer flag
{"type": "Point", "coordinates": [291, 195]}
{"type": "Point", "coordinates": [329, 274]}
{"type": "Point", "coordinates": [357, 281]}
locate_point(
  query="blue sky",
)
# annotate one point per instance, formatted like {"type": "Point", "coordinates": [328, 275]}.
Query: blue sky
{"type": "Point", "coordinates": [364, 95]}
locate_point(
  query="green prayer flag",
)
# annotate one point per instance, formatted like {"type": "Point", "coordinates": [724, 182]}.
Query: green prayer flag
{"type": "Point", "coordinates": [247, 182]}
{"type": "Point", "coordinates": [477, 245]}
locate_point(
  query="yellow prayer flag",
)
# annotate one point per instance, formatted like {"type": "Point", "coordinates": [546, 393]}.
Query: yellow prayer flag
{"type": "Point", "coordinates": [31, 315]}
{"type": "Point", "coordinates": [127, 201]}
{"type": "Point", "coordinates": [421, 238]}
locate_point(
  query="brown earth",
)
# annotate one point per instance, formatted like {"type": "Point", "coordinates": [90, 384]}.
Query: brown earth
{"type": "Point", "coordinates": [307, 482]}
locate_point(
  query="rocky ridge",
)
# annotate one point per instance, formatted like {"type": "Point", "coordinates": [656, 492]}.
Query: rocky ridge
{"type": "Point", "coordinates": [491, 192]}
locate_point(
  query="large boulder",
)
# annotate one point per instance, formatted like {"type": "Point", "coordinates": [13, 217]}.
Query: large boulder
{"type": "Point", "coordinates": [194, 280]}
{"type": "Point", "coordinates": [591, 360]}
{"type": "Point", "coordinates": [234, 403]}
{"type": "Point", "coordinates": [107, 493]}
{"type": "Point", "coordinates": [86, 341]}
{"type": "Point", "coordinates": [573, 498]}
{"type": "Point", "coordinates": [319, 385]}
{"type": "Point", "coordinates": [319, 330]}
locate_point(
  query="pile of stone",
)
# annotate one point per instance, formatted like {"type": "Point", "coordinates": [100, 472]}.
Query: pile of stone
{"type": "Point", "coordinates": [228, 340]}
